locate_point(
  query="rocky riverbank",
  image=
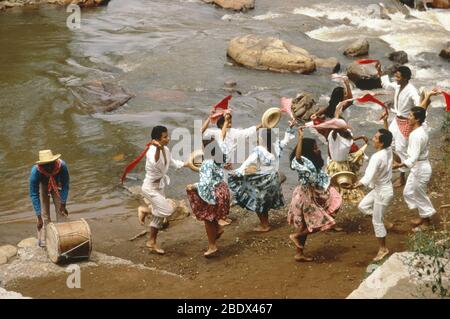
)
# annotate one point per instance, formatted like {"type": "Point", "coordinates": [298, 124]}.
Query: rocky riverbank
{"type": "Point", "coordinates": [82, 3]}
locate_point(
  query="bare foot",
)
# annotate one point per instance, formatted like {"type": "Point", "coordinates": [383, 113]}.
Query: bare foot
{"type": "Point", "coordinates": [142, 214]}
{"type": "Point", "coordinates": [211, 252]}
{"type": "Point", "coordinates": [219, 233]}
{"type": "Point", "coordinates": [381, 254]}
{"type": "Point", "coordinates": [421, 227]}
{"type": "Point", "coordinates": [223, 222]}
{"type": "Point", "coordinates": [303, 258]}
{"type": "Point", "coordinates": [294, 238]}
{"type": "Point", "coordinates": [399, 182]}
{"type": "Point", "coordinates": [416, 221]}
{"type": "Point", "coordinates": [261, 229]}
{"type": "Point", "coordinates": [155, 248]}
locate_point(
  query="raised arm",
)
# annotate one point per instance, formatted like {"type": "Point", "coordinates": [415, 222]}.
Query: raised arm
{"type": "Point", "coordinates": [348, 89]}
{"type": "Point", "coordinates": [206, 122]}
{"type": "Point", "coordinates": [427, 97]}
{"type": "Point", "coordinates": [298, 149]}
{"type": "Point", "coordinates": [385, 82]}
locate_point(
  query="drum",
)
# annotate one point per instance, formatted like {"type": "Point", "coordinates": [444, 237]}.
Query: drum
{"type": "Point", "coordinates": [68, 241]}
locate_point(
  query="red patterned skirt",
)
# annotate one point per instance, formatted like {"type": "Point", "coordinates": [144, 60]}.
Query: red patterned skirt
{"type": "Point", "coordinates": [204, 211]}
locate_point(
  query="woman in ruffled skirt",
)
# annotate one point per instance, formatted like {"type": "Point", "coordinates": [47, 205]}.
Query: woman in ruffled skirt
{"type": "Point", "coordinates": [314, 203]}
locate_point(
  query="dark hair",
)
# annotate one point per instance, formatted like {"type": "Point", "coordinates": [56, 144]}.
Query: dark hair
{"type": "Point", "coordinates": [268, 139]}
{"type": "Point", "coordinates": [385, 137]}
{"type": "Point", "coordinates": [221, 121]}
{"type": "Point", "coordinates": [342, 132]}
{"type": "Point", "coordinates": [158, 131]}
{"type": "Point", "coordinates": [405, 72]}
{"type": "Point", "coordinates": [336, 97]}
{"type": "Point", "coordinates": [308, 152]}
{"type": "Point", "coordinates": [419, 114]}
{"type": "Point", "coordinates": [212, 150]}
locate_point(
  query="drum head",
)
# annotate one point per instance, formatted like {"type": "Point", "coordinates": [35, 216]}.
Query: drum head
{"type": "Point", "coordinates": [52, 242]}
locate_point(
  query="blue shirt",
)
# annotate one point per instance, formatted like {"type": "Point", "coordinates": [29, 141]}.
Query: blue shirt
{"type": "Point", "coordinates": [62, 179]}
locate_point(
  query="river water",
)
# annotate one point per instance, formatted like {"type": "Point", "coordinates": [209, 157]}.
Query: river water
{"type": "Point", "coordinates": [171, 54]}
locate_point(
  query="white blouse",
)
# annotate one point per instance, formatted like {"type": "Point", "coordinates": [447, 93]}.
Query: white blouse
{"type": "Point", "coordinates": [406, 100]}
{"type": "Point", "coordinates": [267, 162]}
{"type": "Point", "coordinates": [339, 148]}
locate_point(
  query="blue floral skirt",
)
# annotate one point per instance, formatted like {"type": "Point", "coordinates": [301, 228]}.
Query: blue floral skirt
{"type": "Point", "coordinates": [258, 192]}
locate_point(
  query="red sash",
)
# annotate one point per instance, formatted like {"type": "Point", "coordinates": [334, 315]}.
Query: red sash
{"type": "Point", "coordinates": [52, 186]}
{"type": "Point", "coordinates": [133, 164]}
{"type": "Point", "coordinates": [403, 126]}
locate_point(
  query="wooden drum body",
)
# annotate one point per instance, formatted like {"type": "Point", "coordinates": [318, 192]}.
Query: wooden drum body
{"type": "Point", "coordinates": [68, 241]}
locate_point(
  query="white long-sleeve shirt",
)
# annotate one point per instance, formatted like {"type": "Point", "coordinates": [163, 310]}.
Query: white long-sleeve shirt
{"type": "Point", "coordinates": [405, 100]}
{"type": "Point", "coordinates": [155, 171]}
{"type": "Point", "coordinates": [266, 161]}
{"type": "Point", "coordinates": [379, 171]}
{"type": "Point", "coordinates": [233, 137]}
{"type": "Point", "coordinates": [339, 148]}
{"type": "Point", "coordinates": [417, 146]}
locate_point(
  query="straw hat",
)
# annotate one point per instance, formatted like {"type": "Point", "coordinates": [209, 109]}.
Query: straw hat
{"type": "Point", "coordinates": [271, 117]}
{"type": "Point", "coordinates": [343, 179]}
{"type": "Point", "coordinates": [46, 156]}
{"type": "Point", "coordinates": [195, 160]}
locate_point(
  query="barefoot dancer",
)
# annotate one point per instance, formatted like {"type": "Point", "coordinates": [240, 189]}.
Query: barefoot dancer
{"type": "Point", "coordinates": [210, 198]}
{"type": "Point", "coordinates": [415, 191]}
{"type": "Point", "coordinates": [314, 202]}
{"type": "Point", "coordinates": [157, 164]}
{"type": "Point", "coordinates": [260, 190]}
{"type": "Point", "coordinates": [378, 176]}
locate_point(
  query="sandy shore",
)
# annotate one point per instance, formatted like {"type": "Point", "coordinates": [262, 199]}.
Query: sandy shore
{"type": "Point", "coordinates": [249, 265]}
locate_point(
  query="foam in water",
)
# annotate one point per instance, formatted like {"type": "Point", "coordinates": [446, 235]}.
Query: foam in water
{"type": "Point", "coordinates": [268, 16]}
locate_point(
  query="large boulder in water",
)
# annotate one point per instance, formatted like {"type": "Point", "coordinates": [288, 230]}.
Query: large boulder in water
{"type": "Point", "coordinates": [358, 48]}
{"type": "Point", "coordinates": [400, 57]}
{"type": "Point", "coordinates": [270, 54]}
{"type": "Point", "coordinates": [100, 97]}
{"type": "Point", "coordinates": [441, 4]}
{"type": "Point", "coordinates": [303, 106]}
{"type": "Point", "coordinates": [445, 53]}
{"type": "Point", "coordinates": [86, 3]}
{"type": "Point", "coordinates": [237, 5]}
{"type": "Point", "coordinates": [364, 76]}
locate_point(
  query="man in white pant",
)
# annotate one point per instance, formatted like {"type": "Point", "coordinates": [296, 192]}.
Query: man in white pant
{"type": "Point", "coordinates": [157, 164]}
{"type": "Point", "coordinates": [378, 176]}
{"type": "Point", "coordinates": [406, 97]}
{"type": "Point", "coordinates": [415, 191]}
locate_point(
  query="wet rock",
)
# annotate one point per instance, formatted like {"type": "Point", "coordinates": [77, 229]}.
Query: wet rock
{"type": "Point", "coordinates": [329, 63]}
{"type": "Point", "coordinates": [445, 53]}
{"type": "Point", "coordinates": [3, 260]}
{"type": "Point", "coordinates": [409, 3]}
{"type": "Point", "coordinates": [28, 242]}
{"type": "Point", "coordinates": [303, 106]}
{"type": "Point", "coordinates": [392, 69]}
{"type": "Point", "coordinates": [230, 83]}
{"type": "Point", "coordinates": [441, 4]}
{"type": "Point", "coordinates": [358, 48]}
{"type": "Point", "coordinates": [8, 251]}
{"type": "Point", "coordinates": [398, 57]}
{"type": "Point", "coordinates": [365, 77]}
{"type": "Point", "coordinates": [270, 54]}
{"type": "Point", "coordinates": [85, 3]}
{"type": "Point", "coordinates": [236, 5]}
{"type": "Point", "coordinates": [100, 97]}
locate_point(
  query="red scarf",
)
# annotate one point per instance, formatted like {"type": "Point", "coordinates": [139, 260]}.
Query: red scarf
{"type": "Point", "coordinates": [370, 98]}
{"type": "Point", "coordinates": [52, 186]}
{"type": "Point", "coordinates": [366, 61]}
{"type": "Point", "coordinates": [220, 109]}
{"type": "Point", "coordinates": [133, 164]}
{"type": "Point", "coordinates": [403, 126]}
{"type": "Point", "coordinates": [447, 100]}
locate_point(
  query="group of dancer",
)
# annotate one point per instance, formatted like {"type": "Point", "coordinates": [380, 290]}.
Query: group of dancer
{"type": "Point", "coordinates": [256, 184]}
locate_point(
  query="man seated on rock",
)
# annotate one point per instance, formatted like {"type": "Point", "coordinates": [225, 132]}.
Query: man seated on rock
{"type": "Point", "coordinates": [406, 97]}
{"type": "Point", "coordinates": [49, 177]}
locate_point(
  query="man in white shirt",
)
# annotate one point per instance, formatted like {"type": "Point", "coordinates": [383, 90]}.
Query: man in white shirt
{"type": "Point", "coordinates": [415, 191]}
{"type": "Point", "coordinates": [378, 176]}
{"type": "Point", "coordinates": [406, 97]}
{"type": "Point", "coordinates": [158, 160]}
